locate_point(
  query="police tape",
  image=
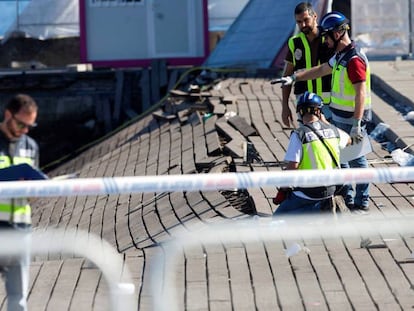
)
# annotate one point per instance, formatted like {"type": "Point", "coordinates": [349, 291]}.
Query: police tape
{"type": "Point", "coordinates": [205, 182]}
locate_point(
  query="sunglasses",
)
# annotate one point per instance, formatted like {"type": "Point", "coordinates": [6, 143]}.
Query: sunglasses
{"type": "Point", "coordinates": [22, 125]}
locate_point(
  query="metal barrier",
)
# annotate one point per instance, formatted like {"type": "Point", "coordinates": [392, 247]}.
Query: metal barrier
{"type": "Point", "coordinates": [165, 297]}
{"type": "Point", "coordinates": [86, 245]}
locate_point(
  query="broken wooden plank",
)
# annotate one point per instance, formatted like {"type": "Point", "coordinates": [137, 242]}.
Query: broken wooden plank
{"type": "Point", "coordinates": [242, 126]}
{"type": "Point", "coordinates": [264, 153]}
{"type": "Point", "coordinates": [228, 131]}
{"type": "Point", "coordinates": [229, 100]}
{"type": "Point", "coordinates": [161, 115]}
{"type": "Point", "coordinates": [218, 107]}
{"type": "Point", "coordinates": [234, 148]}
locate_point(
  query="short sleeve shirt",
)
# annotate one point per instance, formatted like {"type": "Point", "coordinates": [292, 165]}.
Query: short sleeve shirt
{"type": "Point", "coordinates": [357, 69]}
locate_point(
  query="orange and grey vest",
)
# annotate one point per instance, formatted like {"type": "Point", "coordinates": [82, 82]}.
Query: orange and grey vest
{"type": "Point", "coordinates": [302, 59]}
{"type": "Point", "coordinates": [17, 210]}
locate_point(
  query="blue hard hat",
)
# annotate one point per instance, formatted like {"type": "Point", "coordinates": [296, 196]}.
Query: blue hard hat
{"type": "Point", "coordinates": [333, 21]}
{"type": "Point", "coordinates": [308, 100]}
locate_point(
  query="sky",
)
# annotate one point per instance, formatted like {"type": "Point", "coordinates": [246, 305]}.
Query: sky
{"type": "Point", "coordinates": [8, 10]}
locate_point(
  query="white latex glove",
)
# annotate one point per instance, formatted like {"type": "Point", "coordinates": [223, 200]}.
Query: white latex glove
{"type": "Point", "coordinates": [288, 80]}
{"type": "Point", "coordinates": [356, 132]}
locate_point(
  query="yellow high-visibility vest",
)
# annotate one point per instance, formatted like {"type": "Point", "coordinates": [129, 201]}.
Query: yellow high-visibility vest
{"type": "Point", "coordinates": [302, 58]}
{"type": "Point", "coordinates": [15, 210]}
{"type": "Point", "coordinates": [343, 92]}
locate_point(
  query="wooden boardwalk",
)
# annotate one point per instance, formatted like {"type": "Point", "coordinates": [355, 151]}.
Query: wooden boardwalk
{"type": "Point", "coordinates": [333, 274]}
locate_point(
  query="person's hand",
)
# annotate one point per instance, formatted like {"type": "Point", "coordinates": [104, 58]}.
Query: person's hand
{"type": "Point", "coordinates": [281, 195]}
{"type": "Point", "coordinates": [287, 116]}
{"type": "Point", "coordinates": [285, 81]}
{"type": "Point", "coordinates": [356, 132]}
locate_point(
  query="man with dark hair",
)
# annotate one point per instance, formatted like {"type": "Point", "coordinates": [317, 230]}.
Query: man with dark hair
{"type": "Point", "coordinates": [15, 213]}
{"type": "Point", "coordinates": [306, 50]}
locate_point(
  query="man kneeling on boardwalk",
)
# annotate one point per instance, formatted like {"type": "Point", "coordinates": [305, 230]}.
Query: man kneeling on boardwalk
{"type": "Point", "coordinates": [314, 145]}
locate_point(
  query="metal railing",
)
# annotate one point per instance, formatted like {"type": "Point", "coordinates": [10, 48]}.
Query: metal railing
{"type": "Point", "coordinates": [77, 243]}
{"type": "Point", "coordinates": [291, 229]}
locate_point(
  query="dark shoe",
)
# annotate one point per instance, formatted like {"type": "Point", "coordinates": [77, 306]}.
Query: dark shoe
{"type": "Point", "coordinates": [356, 209]}
{"type": "Point", "coordinates": [350, 206]}
{"type": "Point", "coordinates": [359, 210]}
{"type": "Point", "coordinates": [362, 208]}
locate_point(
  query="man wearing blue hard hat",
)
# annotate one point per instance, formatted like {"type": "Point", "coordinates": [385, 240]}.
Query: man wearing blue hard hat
{"type": "Point", "coordinates": [314, 145]}
{"type": "Point", "coordinates": [350, 94]}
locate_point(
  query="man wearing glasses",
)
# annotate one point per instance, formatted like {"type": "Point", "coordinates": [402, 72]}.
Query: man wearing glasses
{"type": "Point", "coordinates": [15, 214]}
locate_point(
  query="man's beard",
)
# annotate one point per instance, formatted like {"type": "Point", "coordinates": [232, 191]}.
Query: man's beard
{"type": "Point", "coordinates": [306, 30]}
{"type": "Point", "coordinates": [11, 130]}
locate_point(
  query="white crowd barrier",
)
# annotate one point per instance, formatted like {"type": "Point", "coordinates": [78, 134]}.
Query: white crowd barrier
{"type": "Point", "coordinates": [122, 294]}
{"type": "Point", "coordinates": [165, 292]}
{"type": "Point", "coordinates": [196, 182]}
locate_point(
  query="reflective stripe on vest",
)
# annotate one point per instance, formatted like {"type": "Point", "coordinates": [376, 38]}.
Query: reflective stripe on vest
{"type": "Point", "coordinates": [5, 161]}
{"type": "Point", "coordinates": [21, 214]}
{"type": "Point", "coordinates": [343, 92]}
{"type": "Point", "coordinates": [314, 153]}
{"type": "Point", "coordinates": [14, 210]}
{"type": "Point", "coordinates": [308, 60]}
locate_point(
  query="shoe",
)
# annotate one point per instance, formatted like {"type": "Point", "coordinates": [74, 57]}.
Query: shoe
{"type": "Point", "coordinates": [356, 209]}
{"type": "Point", "coordinates": [362, 208]}
{"type": "Point", "coordinates": [350, 206]}
{"type": "Point", "coordinates": [359, 209]}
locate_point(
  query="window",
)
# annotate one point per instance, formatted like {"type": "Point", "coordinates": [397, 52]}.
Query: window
{"type": "Point", "coordinates": [104, 3]}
